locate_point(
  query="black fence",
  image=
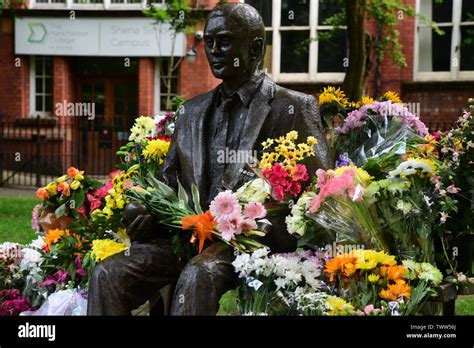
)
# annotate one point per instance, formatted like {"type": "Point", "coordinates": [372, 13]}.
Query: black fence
{"type": "Point", "coordinates": [35, 151]}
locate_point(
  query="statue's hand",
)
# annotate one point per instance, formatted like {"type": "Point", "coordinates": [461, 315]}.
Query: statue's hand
{"type": "Point", "coordinates": [139, 222]}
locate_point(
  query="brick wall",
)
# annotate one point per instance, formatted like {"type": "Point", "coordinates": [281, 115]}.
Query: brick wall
{"type": "Point", "coordinates": [63, 90]}
{"type": "Point", "coordinates": [14, 75]}
{"type": "Point", "coordinates": [146, 73]}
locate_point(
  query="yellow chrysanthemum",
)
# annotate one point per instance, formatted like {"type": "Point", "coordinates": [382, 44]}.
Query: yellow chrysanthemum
{"type": "Point", "coordinates": [338, 306]}
{"type": "Point", "coordinates": [311, 141]}
{"type": "Point", "coordinates": [380, 257]}
{"type": "Point", "coordinates": [103, 248]}
{"type": "Point", "coordinates": [373, 278]}
{"type": "Point", "coordinates": [366, 100]}
{"type": "Point", "coordinates": [362, 176]}
{"type": "Point", "coordinates": [365, 264]}
{"type": "Point", "coordinates": [156, 150]}
{"type": "Point", "coordinates": [331, 94]}
{"type": "Point", "coordinates": [392, 96]}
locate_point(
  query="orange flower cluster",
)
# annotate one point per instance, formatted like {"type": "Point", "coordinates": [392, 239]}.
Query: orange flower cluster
{"type": "Point", "coordinates": [376, 267]}
{"type": "Point", "coordinates": [53, 236]}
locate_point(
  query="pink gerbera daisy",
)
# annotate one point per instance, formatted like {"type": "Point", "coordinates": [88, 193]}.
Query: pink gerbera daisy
{"type": "Point", "coordinates": [255, 210]}
{"type": "Point", "coordinates": [231, 227]}
{"type": "Point", "coordinates": [225, 206]}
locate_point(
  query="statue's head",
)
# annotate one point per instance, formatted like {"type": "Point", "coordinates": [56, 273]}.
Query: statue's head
{"type": "Point", "coordinates": [234, 37]}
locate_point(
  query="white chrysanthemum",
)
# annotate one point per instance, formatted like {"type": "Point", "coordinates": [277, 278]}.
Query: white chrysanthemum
{"type": "Point", "coordinates": [31, 259]}
{"type": "Point", "coordinates": [38, 243]}
{"type": "Point", "coordinates": [411, 167]}
{"type": "Point", "coordinates": [259, 253]}
{"type": "Point", "coordinates": [241, 263]}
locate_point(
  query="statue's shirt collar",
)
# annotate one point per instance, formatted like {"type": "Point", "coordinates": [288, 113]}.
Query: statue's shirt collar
{"type": "Point", "coordinates": [245, 92]}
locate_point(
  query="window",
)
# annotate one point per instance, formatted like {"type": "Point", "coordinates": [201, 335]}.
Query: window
{"type": "Point", "coordinates": [41, 86]}
{"type": "Point", "coordinates": [166, 85]}
{"type": "Point", "coordinates": [449, 56]}
{"type": "Point", "coordinates": [92, 4]}
{"type": "Point", "coordinates": [293, 53]}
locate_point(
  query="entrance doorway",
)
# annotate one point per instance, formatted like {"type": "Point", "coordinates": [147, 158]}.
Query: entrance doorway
{"type": "Point", "coordinates": [111, 89]}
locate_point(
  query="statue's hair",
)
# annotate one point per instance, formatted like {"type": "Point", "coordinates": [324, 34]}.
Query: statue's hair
{"type": "Point", "coordinates": [246, 17]}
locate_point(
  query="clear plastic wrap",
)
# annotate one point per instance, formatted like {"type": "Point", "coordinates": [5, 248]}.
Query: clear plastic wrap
{"type": "Point", "coordinates": [64, 302]}
{"type": "Point", "coordinates": [350, 222]}
{"type": "Point", "coordinates": [379, 143]}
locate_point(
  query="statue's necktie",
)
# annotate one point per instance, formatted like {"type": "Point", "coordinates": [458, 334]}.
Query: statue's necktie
{"type": "Point", "coordinates": [220, 143]}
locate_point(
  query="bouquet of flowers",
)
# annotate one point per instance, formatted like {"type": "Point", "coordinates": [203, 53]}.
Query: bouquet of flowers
{"type": "Point", "coordinates": [338, 206]}
{"type": "Point", "coordinates": [373, 283]}
{"type": "Point", "coordinates": [280, 284]}
{"type": "Point", "coordinates": [227, 219]}
{"type": "Point", "coordinates": [65, 198]}
{"type": "Point", "coordinates": [20, 274]}
{"type": "Point", "coordinates": [377, 135]}
{"type": "Point", "coordinates": [282, 166]}
{"type": "Point", "coordinates": [148, 144]}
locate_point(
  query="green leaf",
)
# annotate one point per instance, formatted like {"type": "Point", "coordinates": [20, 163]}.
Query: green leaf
{"type": "Point", "coordinates": [79, 196]}
{"type": "Point", "coordinates": [182, 195]}
{"type": "Point", "coordinates": [60, 211]}
{"type": "Point", "coordinates": [196, 199]}
{"type": "Point", "coordinates": [164, 189]}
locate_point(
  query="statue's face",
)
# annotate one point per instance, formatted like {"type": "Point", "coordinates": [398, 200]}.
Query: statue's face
{"type": "Point", "coordinates": [226, 49]}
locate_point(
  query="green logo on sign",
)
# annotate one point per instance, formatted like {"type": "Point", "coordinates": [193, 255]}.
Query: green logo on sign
{"type": "Point", "coordinates": [37, 32]}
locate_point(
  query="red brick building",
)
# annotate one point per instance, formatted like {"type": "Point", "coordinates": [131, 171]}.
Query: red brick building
{"type": "Point", "coordinates": [103, 52]}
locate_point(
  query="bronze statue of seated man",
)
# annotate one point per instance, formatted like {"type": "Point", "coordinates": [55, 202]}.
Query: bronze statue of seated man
{"type": "Point", "coordinates": [239, 114]}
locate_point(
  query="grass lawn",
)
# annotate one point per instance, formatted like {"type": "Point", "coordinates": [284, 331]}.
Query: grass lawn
{"type": "Point", "coordinates": [15, 219]}
{"type": "Point", "coordinates": [465, 305]}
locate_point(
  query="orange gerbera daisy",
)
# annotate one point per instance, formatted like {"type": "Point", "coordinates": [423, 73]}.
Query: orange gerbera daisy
{"type": "Point", "coordinates": [341, 263]}
{"type": "Point", "coordinates": [388, 295]}
{"type": "Point", "coordinates": [396, 272]}
{"type": "Point", "coordinates": [400, 288]}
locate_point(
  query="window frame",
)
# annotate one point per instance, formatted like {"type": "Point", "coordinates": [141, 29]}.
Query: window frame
{"type": "Point", "coordinates": [105, 5]}
{"type": "Point", "coordinates": [312, 75]}
{"type": "Point", "coordinates": [455, 74]}
{"type": "Point", "coordinates": [33, 76]}
{"type": "Point", "coordinates": [157, 89]}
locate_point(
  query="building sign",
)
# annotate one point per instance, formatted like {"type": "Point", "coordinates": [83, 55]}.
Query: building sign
{"type": "Point", "coordinates": [118, 37]}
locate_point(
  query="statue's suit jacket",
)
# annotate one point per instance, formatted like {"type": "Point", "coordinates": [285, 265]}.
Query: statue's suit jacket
{"type": "Point", "coordinates": [273, 111]}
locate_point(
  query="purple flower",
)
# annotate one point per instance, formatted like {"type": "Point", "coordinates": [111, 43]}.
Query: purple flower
{"type": "Point", "coordinates": [79, 270]}
{"type": "Point", "coordinates": [357, 118]}
{"type": "Point", "coordinates": [343, 160]}
{"type": "Point", "coordinates": [60, 277]}
{"type": "Point", "coordinates": [15, 307]}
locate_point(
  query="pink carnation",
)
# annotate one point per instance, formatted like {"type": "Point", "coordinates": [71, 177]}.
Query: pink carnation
{"type": "Point", "coordinates": [225, 206]}
{"type": "Point", "coordinates": [255, 210]}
